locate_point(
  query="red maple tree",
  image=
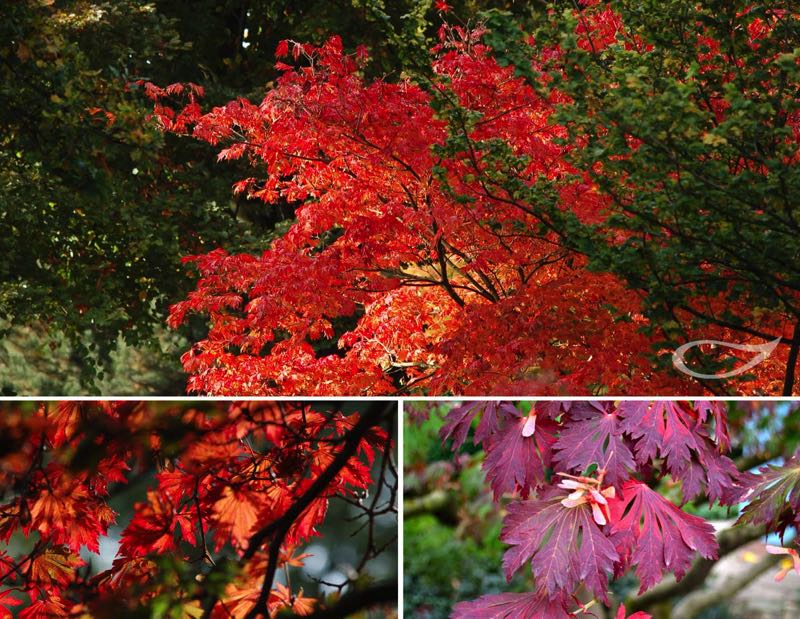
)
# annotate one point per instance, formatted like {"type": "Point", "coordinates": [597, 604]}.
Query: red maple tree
{"type": "Point", "coordinates": [413, 265]}
{"type": "Point", "coordinates": [238, 489]}
{"type": "Point", "coordinates": [586, 481]}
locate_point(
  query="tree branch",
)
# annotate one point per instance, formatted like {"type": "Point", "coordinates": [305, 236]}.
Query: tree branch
{"type": "Point", "coordinates": [278, 529]}
{"type": "Point", "coordinates": [692, 605]}
{"type": "Point", "coordinates": [728, 540]}
{"type": "Point", "coordinates": [357, 600]}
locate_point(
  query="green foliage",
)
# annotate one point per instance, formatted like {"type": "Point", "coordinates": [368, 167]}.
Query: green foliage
{"type": "Point", "coordinates": [96, 207]}
{"type": "Point", "coordinates": [440, 569]}
{"type": "Point", "coordinates": [693, 146]}
{"type": "Point", "coordinates": [33, 362]}
{"type": "Point", "coordinates": [503, 36]}
{"type": "Point", "coordinates": [421, 442]}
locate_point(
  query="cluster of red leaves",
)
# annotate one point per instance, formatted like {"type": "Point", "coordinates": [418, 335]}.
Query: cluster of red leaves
{"type": "Point", "coordinates": [586, 511]}
{"type": "Point", "coordinates": [408, 266]}
{"type": "Point", "coordinates": [225, 471]}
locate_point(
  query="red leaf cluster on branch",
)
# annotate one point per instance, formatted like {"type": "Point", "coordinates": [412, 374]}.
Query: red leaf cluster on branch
{"type": "Point", "coordinates": [586, 508]}
{"type": "Point", "coordinates": [451, 294]}
{"type": "Point", "coordinates": [230, 478]}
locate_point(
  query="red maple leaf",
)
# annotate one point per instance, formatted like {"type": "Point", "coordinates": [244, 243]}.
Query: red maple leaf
{"type": "Point", "coordinates": [656, 536]}
{"type": "Point", "coordinates": [593, 435]}
{"type": "Point", "coordinates": [622, 614]}
{"type": "Point", "coordinates": [676, 432]}
{"type": "Point", "coordinates": [513, 606]}
{"type": "Point", "coordinates": [6, 601]}
{"type": "Point", "coordinates": [565, 546]}
{"type": "Point", "coordinates": [517, 459]}
{"type": "Point", "coordinates": [662, 428]}
{"type": "Point", "coordinates": [459, 419]}
{"type": "Point", "coordinates": [48, 608]}
{"type": "Point", "coordinates": [235, 515]}
{"type": "Point", "coordinates": [153, 527]}
{"type": "Point", "coordinates": [54, 568]}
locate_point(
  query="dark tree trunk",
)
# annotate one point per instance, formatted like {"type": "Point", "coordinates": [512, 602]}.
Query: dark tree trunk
{"type": "Point", "coordinates": [791, 362]}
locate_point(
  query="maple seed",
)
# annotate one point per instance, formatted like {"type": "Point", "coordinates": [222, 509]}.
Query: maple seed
{"type": "Point", "coordinates": [530, 426]}
{"type": "Point", "coordinates": [587, 490]}
{"type": "Point", "coordinates": [795, 565]}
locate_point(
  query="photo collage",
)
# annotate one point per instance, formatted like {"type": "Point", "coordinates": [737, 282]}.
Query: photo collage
{"type": "Point", "coordinates": [434, 309]}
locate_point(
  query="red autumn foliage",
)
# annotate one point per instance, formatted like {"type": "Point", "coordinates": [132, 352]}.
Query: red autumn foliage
{"type": "Point", "coordinates": [250, 481]}
{"type": "Point", "coordinates": [408, 267]}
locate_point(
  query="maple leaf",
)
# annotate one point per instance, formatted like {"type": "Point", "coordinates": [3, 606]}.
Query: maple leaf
{"type": "Point", "coordinates": [442, 6]}
{"type": "Point", "coordinates": [240, 598]}
{"type": "Point", "coordinates": [288, 556]}
{"type": "Point", "coordinates": [54, 567]}
{"type": "Point", "coordinates": [44, 609]}
{"type": "Point", "coordinates": [565, 545]}
{"type": "Point", "coordinates": [774, 497]}
{"type": "Point", "coordinates": [512, 606]}
{"type": "Point", "coordinates": [713, 471]}
{"type": "Point", "coordinates": [660, 428]}
{"type": "Point", "coordinates": [177, 484]}
{"type": "Point", "coordinates": [235, 516]}
{"type": "Point", "coordinates": [674, 431]}
{"type": "Point", "coordinates": [64, 421]}
{"type": "Point", "coordinates": [282, 49]}
{"type": "Point", "coordinates": [459, 419]}
{"type": "Point", "coordinates": [65, 512]}
{"type": "Point", "coordinates": [622, 614]}
{"type": "Point", "coordinates": [305, 526]}
{"type": "Point", "coordinates": [717, 410]}
{"type": "Point", "coordinates": [593, 436]}
{"type": "Point", "coordinates": [134, 572]}
{"type": "Point", "coordinates": [153, 527]}
{"type": "Point", "coordinates": [516, 461]}
{"type": "Point", "coordinates": [655, 535]}
{"type": "Point", "coordinates": [493, 413]}
{"type": "Point", "coordinates": [282, 597]}
{"type": "Point", "coordinates": [554, 408]}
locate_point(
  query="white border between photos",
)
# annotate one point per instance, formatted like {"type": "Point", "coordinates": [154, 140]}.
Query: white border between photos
{"type": "Point", "coordinates": [401, 472]}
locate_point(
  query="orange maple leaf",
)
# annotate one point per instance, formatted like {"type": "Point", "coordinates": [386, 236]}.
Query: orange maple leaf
{"type": "Point", "coordinates": [55, 566]}
{"type": "Point", "coordinates": [236, 514]}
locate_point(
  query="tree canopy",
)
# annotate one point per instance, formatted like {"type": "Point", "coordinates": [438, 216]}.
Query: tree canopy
{"type": "Point", "coordinates": [97, 207]}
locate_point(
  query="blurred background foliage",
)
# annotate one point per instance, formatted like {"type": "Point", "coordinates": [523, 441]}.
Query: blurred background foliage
{"type": "Point", "coordinates": [97, 207]}
{"type": "Point", "coordinates": [452, 550]}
